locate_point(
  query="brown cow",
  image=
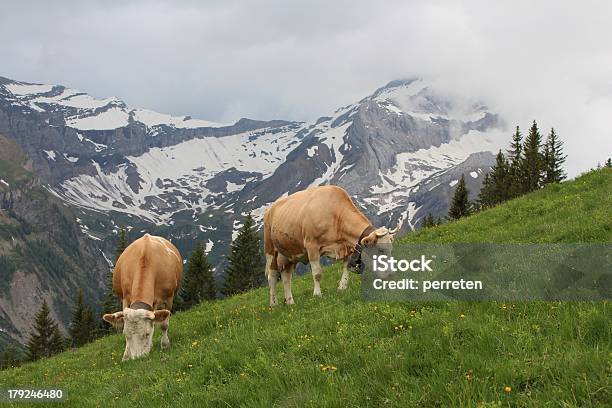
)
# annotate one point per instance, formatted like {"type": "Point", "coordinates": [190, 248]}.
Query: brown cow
{"type": "Point", "coordinates": [147, 275]}
{"type": "Point", "coordinates": [319, 221]}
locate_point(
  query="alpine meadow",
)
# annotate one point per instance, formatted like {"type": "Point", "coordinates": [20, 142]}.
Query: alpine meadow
{"type": "Point", "coordinates": [341, 351]}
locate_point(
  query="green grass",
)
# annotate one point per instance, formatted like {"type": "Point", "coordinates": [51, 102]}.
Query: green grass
{"type": "Point", "coordinates": [576, 211]}
{"type": "Point", "coordinates": [341, 351]}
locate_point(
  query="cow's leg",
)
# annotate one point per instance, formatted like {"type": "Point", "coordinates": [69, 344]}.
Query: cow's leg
{"type": "Point", "coordinates": [314, 259]}
{"type": "Point", "coordinates": [343, 284]}
{"type": "Point", "coordinates": [286, 276]}
{"type": "Point", "coordinates": [272, 278]}
{"type": "Point", "coordinates": [165, 341]}
{"type": "Point", "coordinates": [163, 325]}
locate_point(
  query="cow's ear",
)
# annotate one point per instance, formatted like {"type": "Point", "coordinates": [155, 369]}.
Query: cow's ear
{"type": "Point", "coordinates": [369, 240]}
{"type": "Point", "coordinates": [161, 315]}
{"type": "Point", "coordinates": [113, 318]}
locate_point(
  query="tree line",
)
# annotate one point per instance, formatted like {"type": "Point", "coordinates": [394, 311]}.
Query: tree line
{"type": "Point", "coordinates": [244, 272]}
{"type": "Point", "coordinates": [529, 164]}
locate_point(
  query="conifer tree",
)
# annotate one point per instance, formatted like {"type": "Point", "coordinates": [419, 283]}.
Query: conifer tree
{"type": "Point", "coordinates": [89, 325]}
{"type": "Point", "coordinates": [76, 325]}
{"type": "Point", "coordinates": [39, 344]}
{"type": "Point", "coordinates": [515, 153]}
{"type": "Point", "coordinates": [82, 327]}
{"type": "Point", "coordinates": [10, 357]}
{"type": "Point", "coordinates": [485, 196]}
{"type": "Point", "coordinates": [532, 163]}
{"type": "Point", "coordinates": [121, 244]}
{"type": "Point", "coordinates": [496, 185]}
{"type": "Point", "coordinates": [198, 283]}
{"type": "Point", "coordinates": [57, 343]}
{"type": "Point", "coordinates": [429, 221]}
{"type": "Point", "coordinates": [245, 268]}
{"type": "Point", "coordinates": [515, 158]}
{"type": "Point", "coordinates": [111, 302]}
{"type": "Point", "coordinates": [609, 162]}
{"type": "Point", "coordinates": [460, 204]}
{"type": "Point", "coordinates": [554, 159]}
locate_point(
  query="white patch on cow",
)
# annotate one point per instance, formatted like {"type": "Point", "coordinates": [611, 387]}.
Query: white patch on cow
{"type": "Point", "coordinates": [138, 330]}
{"type": "Point", "coordinates": [343, 284]}
{"type": "Point", "coordinates": [272, 275]}
{"type": "Point", "coordinates": [317, 275]}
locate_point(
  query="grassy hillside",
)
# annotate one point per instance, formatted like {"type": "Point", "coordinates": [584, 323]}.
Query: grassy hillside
{"type": "Point", "coordinates": [576, 211]}
{"type": "Point", "coordinates": [341, 351]}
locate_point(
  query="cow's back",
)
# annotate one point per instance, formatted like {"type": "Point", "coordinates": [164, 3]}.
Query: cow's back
{"type": "Point", "coordinates": [312, 214]}
{"type": "Point", "coordinates": [148, 270]}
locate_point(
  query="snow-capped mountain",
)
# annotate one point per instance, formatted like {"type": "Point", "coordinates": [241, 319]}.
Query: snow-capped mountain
{"type": "Point", "coordinates": [398, 152]}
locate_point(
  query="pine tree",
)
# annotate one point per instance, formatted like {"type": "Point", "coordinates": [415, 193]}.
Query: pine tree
{"type": "Point", "coordinates": [198, 283]}
{"type": "Point", "coordinates": [57, 343]}
{"type": "Point", "coordinates": [515, 158]}
{"type": "Point", "coordinates": [496, 185]}
{"type": "Point", "coordinates": [428, 221]}
{"type": "Point", "coordinates": [89, 329]}
{"type": "Point", "coordinates": [609, 162]}
{"type": "Point", "coordinates": [10, 357]}
{"type": "Point", "coordinates": [515, 153]}
{"type": "Point", "coordinates": [121, 244]}
{"type": "Point", "coordinates": [76, 325]}
{"type": "Point", "coordinates": [532, 164]}
{"type": "Point", "coordinates": [554, 159]}
{"type": "Point", "coordinates": [460, 204]}
{"type": "Point", "coordinates": [245, 269]}
{"type": "Point", "coordinates": [83, 326]}
{"type": "Point", "coordinates": [111, 302]}
{"type": "Point", "coordinates": [39, 344]}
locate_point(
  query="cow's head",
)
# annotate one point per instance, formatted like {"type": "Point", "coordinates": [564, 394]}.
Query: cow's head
{"type": "Point", "coordinates": [380, 241]}
{"type": "Point", "coordinates": [138, 329]}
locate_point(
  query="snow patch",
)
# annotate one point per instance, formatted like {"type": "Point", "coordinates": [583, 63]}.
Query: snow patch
{"type": "Point", "coordinates": [112, 118]}
{"type": "Point", "coordinates": [28, 89]}
{"type": "Point", "coordinates": [71, 159]}
{"type": "Point", "coordinates": [151, 118]}
{"type": "Point", "coordinates": [311, 151]}
{"type": "Point", "coordinates": [51, 155]}
{"type": "Point", "coordinates": [209, 246]}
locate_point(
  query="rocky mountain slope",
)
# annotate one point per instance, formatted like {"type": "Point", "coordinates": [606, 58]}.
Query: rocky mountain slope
{"type": "Point", "coordinates": [398, 152]}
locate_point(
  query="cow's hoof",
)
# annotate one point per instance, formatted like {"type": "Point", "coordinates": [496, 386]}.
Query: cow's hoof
{"type": "Point", "coordinates": [289, 301]}
{"type": "Point", "coordinates": [272, 304]}
{"type": "Point", "coordinates": [165, 344]}
{"type": "Point", "coordinates": [342, 287]}
{"type": "Point", "coordinates": [317, 294]}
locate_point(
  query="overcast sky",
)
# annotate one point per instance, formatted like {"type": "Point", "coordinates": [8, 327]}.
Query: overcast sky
{"type": "Point", "coordinates": [222, 60]}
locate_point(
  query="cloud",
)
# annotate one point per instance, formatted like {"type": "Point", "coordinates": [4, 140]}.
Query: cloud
{"type": "Point", "coordinates": [221, 60]}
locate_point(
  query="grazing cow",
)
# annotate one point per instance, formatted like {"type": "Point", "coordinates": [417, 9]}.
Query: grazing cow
{"type": "Point", "coordinates": [147, 276]}
{"type": "Point", "coordinates": [319, 221]}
